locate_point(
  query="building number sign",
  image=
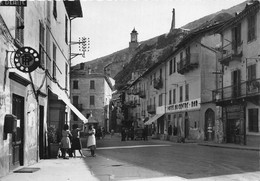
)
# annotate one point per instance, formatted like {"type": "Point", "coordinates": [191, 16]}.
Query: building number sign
{"type": "Point", "coordinates": [26, 59]}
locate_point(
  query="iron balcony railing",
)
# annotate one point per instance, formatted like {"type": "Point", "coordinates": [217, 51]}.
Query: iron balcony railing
{"type": "Point", "coordinates": [243, 89]}
{"type": "Point", "coordinates": [188, 63]}
{"type": "Point", "coordinates": [158, 83]}
{"type": "Point", "coordinates": [231, 52]}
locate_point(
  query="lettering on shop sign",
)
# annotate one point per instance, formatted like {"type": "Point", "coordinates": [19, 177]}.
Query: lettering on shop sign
{"type": "Point", "coordinates": [188, 105]}
{"type": "Point", "coordinates": [14, 3]}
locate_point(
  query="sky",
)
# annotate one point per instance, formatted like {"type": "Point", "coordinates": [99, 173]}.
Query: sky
{"type": "Point", "coordinates": [108, 23]}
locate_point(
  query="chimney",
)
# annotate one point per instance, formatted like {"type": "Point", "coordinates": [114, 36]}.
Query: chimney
{"type": "Point", "coordinates": [173, 20]}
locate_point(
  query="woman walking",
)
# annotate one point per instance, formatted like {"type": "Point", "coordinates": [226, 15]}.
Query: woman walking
{"type": "Point", "coordinates": [76, 143]}
{"type": "Point", "coordinates": [91, 140]}
{"type": "Point", "coordinates": [65, 141]}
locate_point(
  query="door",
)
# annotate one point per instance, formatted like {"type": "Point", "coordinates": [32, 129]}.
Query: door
{"type": "Point", "coordinates": [209, 124]}
{"type": "Point", "coordinates": [42, 140]}
{"type": "Point", "coordinates": [235, 76]}
{"type": "Point", "coordinates": [18, 136]}
{"type": "Point", "coordinates": [231, 130]}
{"type": "Point", "coordinates": [187, 126]}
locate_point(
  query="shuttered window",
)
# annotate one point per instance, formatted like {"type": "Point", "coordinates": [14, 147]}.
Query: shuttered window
{"type": "Point", "coordinates": [253, 120]}
{"type": "Point", "coordinates": [251, 71]}
{"type": "Point", "coordinates": [42, 45]}
{"type": "Point", "coordinates": [251, 31]}
{"type": "Point", "coordinates": [19, 23]}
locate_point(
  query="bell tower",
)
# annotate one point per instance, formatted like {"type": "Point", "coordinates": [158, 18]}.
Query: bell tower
{"type": "Point", "coordinates": [133, 44]}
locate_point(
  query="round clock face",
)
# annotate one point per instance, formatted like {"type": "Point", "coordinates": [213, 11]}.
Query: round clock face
{"type": "Point", "coordinates": [26, 59]}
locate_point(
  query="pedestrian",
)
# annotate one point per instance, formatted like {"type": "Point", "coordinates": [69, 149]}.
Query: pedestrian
{"type": "Point", "coordinates": [112, 133]}
{"type": "Point", "coordinates": [65, 141]}
{"type": "Point", "coordinates": [76, 143]}
{"type": "Point", "coordinates": [91, 140]}
{"type": "Point", "coordinates": [123, 135]}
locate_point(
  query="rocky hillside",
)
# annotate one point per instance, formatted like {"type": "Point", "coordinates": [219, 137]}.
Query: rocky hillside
{"type": "Point", "coordinates": [121, 64]}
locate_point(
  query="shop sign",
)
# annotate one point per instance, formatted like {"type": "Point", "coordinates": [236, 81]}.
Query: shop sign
{"type": "Point", "coordinates": [184, 106]}
{"type": "Point", "coordinates": [26, 59]}
{"type": "Point", "coordinates": [14, 3]}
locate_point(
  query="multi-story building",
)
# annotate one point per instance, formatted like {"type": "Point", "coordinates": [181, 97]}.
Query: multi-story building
{"type": "Point", "coordinates": [238, 95]}
{"type": "Point", "coordinates": [34, 66]}
{"type": "Point", "coordinates": [91, 94]}
{"type": "Point", "coordinates": [178, 89]}
{"type": "Point", "coordinates": [191, 78]}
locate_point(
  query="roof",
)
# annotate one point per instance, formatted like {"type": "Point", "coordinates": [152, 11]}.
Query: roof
{"type": "Point", "coordinates": [73, 8]}
{"type": "Point", "coordinates": [250, 8]}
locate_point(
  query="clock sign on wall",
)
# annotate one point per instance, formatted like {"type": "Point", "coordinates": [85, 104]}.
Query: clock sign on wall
{"type": "Point", "coordinates": [26, 59]}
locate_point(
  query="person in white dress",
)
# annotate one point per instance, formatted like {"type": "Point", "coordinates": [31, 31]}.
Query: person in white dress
{"type": "Point", "coordinates": [91, 140]}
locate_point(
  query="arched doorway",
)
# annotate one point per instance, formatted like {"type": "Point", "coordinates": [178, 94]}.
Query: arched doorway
{"type": "Point", "coordinates": [209, 124]}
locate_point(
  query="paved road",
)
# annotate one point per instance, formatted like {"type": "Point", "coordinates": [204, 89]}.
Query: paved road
{"type": "Point", "coordinates": [163, 158]}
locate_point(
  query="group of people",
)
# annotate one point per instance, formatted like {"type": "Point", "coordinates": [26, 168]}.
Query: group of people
{"type": "Point", "coordinates": [70, 141]}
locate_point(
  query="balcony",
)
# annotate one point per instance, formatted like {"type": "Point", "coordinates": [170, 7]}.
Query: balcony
{"type": "Point", "coordinates": [188, 63]}
{"type": "Point", "coordinates": [158, 83]}
{"type": "Point", "coordinates": [151, 109]}
{"type": "Point", "coordinates": [244, 90]}
{"type": "Point", "coordinates": [142, 94]}
{"type": "Point", "coordinates": [129, 91]}
{"type": "Point", "coordinates": [231, 55]}
{"type": "Point", "coordinates": [136, 91]}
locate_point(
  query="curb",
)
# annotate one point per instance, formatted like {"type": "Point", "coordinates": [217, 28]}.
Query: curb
{"type": "Point", "coordinates": [230, 147]}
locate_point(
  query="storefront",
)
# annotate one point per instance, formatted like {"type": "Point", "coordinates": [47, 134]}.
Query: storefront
{"type": "Point", "coordinates": [234, 123]}
{"type": "Point", "coordinates": [184, 118]}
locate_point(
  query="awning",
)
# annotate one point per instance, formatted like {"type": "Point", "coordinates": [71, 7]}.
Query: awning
{"type": "Point", "coordinates": [62, 95]}
{"type": "Point", "coordinates": [154, 118]}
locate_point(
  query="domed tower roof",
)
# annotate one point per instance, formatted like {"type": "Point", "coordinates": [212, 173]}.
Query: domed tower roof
{"type": "Point", "coordinates": [134, 31]}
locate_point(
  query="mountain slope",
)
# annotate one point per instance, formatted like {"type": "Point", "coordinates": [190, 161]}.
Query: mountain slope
{"type": "Point", "coordinates": [121, 64]}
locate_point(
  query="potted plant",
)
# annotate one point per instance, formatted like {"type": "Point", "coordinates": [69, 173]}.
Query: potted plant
{"type": "Point", "coordinates": [54, 144]}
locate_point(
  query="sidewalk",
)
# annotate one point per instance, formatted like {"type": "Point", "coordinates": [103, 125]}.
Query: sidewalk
{"type": "Point", "coordinates": [73, 169]}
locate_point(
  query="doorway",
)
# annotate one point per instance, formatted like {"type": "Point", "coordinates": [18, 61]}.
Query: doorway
{"type": "Point", "coordinates": [209, 124]}
{"type": "Point", "coordinates": [18, 136]}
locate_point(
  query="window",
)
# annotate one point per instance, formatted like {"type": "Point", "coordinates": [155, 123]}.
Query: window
{"type": "Point", "coordinates": [253, 120]}
{"type": "Point", "coordinates": [75, 100]}
{"type": "Point", "coordinates": [160, 73]}
{"type": "Point", "coordinates": [19, 24]}
{"type": "Point", "coordinates": [236, 36]}
{"type": "Point", "coordinates": [55, 9]}
{"type": "Point", "coordinates": [251, 72]}
{"type": "Point", "coordinates": [170, 67]}
{"type": "Point", "coordinates": [41, 45]}
{"type": "Point", "coordinates": [186, 92]}
{"type": "Point", "coordinates": [174, 64]}
{"type": "Point", "coordinates": [251, 28]}
{"type": "Point", "coordinates": [66, 29]}
{"type": "Point", "coordinates": [174, 96]}
{"type": "Point", "coordinates": [54, 61]}
{"type": "Point", "coordinates": [181, 56]}
{"type": "Point", "coordinates": [170, 97]}
{"type": "Point", "coordinates": [75, 84]}
{"type": "Point", "coordinates": [92, 100]}
{"type": "Point", "coordinates": [160, 100]}
{"type": "Point", "coordinates": [66, 76]}
{"type": "Point", "coordinates": [181, 94]}
{"type": "Point", "coordinates": [92, 84]}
